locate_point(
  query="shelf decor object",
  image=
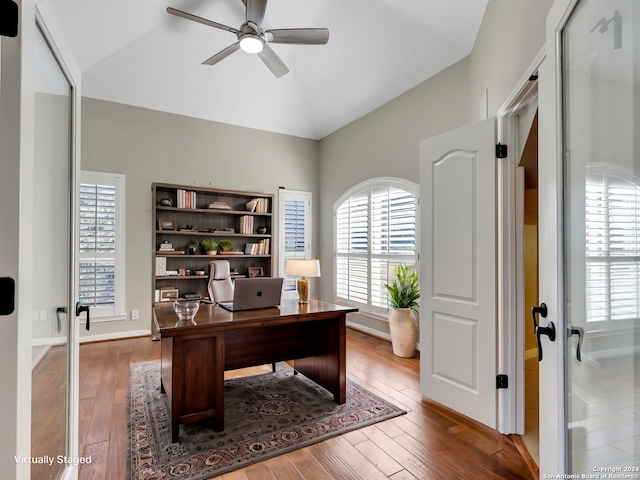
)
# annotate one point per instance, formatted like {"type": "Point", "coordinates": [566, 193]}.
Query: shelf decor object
{"type": "Point", "coordinates": [303, 269]}
{"type": "Point", "coordinates": [186, 215]}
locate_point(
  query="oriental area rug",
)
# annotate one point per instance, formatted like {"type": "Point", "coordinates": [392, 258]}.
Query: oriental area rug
{"type": "Point", "coordinates": [265, 415]}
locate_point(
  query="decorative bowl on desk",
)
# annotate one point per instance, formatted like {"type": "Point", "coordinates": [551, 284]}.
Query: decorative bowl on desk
{"type": "Point", "coordinates": [186, 310]}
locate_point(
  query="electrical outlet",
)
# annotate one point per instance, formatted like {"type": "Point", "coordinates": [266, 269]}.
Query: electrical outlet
{"type": "Point", "coordinates": [135, 314]}
{"type": "Point", "coordinates": [43, 315]}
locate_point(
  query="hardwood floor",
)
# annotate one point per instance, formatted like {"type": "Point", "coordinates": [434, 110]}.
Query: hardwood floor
{"type": "Point", "coordinates": [428, 442]}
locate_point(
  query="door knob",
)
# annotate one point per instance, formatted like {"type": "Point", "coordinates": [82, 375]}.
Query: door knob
{"type": "Point", "coordinates": [60, 310]}
{"type": "Point", "coordinates": [83, 308]}
{"type": "Point", "coordinates": [580, 332]}
{"type": "Point", "coordinates": [549, 330]}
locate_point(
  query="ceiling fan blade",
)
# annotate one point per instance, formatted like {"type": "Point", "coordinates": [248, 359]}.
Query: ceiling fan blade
{"type": "Point", "coordinates": [273, 62]}
{"type": "Point", "coordinates": [222, 54]}
{"type": "Point", "coordinates": [300, 36]}
{"type": "Point", "coordinates": [255, 11]}
{"type": "Point", "coordinates": [204, 21]}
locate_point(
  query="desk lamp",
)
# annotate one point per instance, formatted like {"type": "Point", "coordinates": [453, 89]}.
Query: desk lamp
{"type": "Point", "coordinates": [303, 269]}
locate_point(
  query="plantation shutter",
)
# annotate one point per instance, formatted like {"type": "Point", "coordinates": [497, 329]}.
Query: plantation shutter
{"type": "Point", "coordinates": [295, 231]}
{"type": "Point", "coordinates": [352, 247]}
{"type": "Point", "coordinates": [375, 231]}
{"type": "Point", "coordinates": [101, 244]}
{"type": "Point", "coordinates": [295, 241]}
{"type": "Point", "coordinates": [612, 248]}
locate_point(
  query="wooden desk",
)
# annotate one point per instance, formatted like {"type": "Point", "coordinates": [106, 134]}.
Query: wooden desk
{"type": "Point", "coordinates": [194, 357]}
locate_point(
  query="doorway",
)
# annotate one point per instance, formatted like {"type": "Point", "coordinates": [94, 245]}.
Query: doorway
{"type": "Point", "coordinates": [529, 163]}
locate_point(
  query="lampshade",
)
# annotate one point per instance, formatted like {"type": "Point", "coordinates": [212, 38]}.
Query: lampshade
{"type": "Point", "coordinates": [251, 43]}
{"type": "Point", "coordinates": [303, 268]}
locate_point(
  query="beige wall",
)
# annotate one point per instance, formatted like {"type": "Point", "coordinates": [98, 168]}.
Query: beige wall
{"type": "Point", "coordinates": [149, 146]}
{"type": "Point", "coordinates": [530, 251]}
{"type": "Point", "coordinates": [511, 35]}
{"type": "Point", "coordinates": [385, 142]}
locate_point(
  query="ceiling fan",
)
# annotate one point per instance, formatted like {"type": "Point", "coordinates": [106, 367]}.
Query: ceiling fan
{"type": "Point", "coordinates": [252, 38]}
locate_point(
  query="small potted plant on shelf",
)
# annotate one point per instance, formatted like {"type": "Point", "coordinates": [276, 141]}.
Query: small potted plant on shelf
{"type": "Point", "coordinates": [210, 246]}
{"type": "Point", "coordinates": [192, 247]}
{"type": "Point", "coordinates": [226, 245]}
{"type": "Point", "coordinates": [404, 293]}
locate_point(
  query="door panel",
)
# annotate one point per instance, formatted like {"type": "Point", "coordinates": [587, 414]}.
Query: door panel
{"type": "Point", "coordinates": [592, 176]}
{"type": "Point", "coordinates": [601, 234]}
{"type": "Point", "coordinates": [458, 308]}
{"type": "Point", "coordinates": [51, 270]}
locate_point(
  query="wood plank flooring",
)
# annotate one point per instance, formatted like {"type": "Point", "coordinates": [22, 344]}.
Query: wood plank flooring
{"type": "Point", "coordinates": [430, 442]}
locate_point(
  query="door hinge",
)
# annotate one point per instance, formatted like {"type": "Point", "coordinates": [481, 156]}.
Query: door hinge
{"type": "Point", "coordinates": [502, 381]}
{"type": "Point", "coordinates": [501, 151]}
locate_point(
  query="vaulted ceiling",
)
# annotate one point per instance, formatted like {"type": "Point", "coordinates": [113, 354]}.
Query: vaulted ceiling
{"type": "Point", "coordinates": [134, 52]}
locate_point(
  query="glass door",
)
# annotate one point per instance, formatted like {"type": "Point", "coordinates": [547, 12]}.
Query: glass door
{"type": "Point", "coordinates": [51, 265]}
{"type": "Point", "coordinates": [601, 165]}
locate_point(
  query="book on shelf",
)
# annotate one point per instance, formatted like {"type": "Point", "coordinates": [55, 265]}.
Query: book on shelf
{"type": "Point", "coordinates": [170, 252]}
{"type": "Point", "coordinates": [262, 206]}
{"type": "Point", "coordinates": [259, 248]}
{"type": "Point", "coordinates": [220, 206]}
{"type": "Point", "coordinates": [246, 224]}
{"type": "Point", "coordinates": [186, 198]}
{"type": "Point", "coordinates": [166, 246]}
{"type": "Point", "coordinates": [161, 266]}
{"type": "Point", "coordinates": [264, 246]}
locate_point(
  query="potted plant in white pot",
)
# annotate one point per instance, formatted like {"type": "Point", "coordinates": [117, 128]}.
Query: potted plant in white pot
{"type": "Point", "coordinates": [210, 246]}
{"type": "Point", "coordinates": [404, 293]}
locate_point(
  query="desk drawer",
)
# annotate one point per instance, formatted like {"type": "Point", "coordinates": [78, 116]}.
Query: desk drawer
{"type": "Point", "coordinates": [255, 346]}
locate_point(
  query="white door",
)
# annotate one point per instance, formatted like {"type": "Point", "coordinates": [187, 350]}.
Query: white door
{"type": "Point", "coordinates": [589, 219]}
{"type": "Point", "coordinates": [458, 272]}
{"type": "Point", "coordinates": [52, 291]}
{"type": "Point", "coordinates": [38, 354]}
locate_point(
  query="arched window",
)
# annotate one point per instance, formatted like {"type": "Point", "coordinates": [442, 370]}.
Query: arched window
{"type": "Point", "coordinates": [376, 228]}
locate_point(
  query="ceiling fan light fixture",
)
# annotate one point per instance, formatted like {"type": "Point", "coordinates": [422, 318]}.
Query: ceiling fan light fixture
{"type": "Point", "coordinates": [251, 43]}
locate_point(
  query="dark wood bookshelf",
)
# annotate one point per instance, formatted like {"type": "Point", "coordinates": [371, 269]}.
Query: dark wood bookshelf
{"type": "Point", "coordinates": [204, 221]}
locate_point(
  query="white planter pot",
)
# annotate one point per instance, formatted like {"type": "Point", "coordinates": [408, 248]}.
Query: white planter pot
{"type": "Point", "coordinates": [404, 332]}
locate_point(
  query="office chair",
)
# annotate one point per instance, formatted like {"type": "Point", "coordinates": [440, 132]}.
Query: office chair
{"type": "Point", "coordinates": [220, 285]}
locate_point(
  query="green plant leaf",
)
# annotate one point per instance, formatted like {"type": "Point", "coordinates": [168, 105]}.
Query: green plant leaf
{"type": "Point", "coordinates": [404, 291]}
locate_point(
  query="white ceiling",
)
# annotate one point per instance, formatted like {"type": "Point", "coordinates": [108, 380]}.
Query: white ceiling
{"type": "Point", "coordinates": [134, 52]}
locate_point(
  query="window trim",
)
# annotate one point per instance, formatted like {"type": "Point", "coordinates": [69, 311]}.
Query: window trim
{"type": "Point", "coordinates": [292, 195]}
{"type": "Point", "coordinates": [368, 186]}
{"type": "Point", "coordinates": [118, 312]}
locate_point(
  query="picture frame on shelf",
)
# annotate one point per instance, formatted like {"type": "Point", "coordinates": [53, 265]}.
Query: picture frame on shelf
{"type": "Point", "coordinates": [166, 224]}
{"type": "Point", "coordinates": [255, 272]}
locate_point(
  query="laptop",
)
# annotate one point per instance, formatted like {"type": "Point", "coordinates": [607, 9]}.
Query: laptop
{"type": "Point", "coordinates": [252, 293]}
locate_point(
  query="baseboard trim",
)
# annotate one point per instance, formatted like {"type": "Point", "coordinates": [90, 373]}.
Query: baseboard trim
{"type": "Point", "coordinates": [373, 332]}
{"type": "Point", "coordinates": [105, 337]}
{"type": "Point", "coordinates": [526, 456]}
{"type": "Point", "coordinates": [370, 331]}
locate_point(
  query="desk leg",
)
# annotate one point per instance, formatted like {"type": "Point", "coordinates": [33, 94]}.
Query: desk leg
{"type": "Point", "coordinates": [197, 381]}
{"type": "Point", "coordinates": [329, 368]}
